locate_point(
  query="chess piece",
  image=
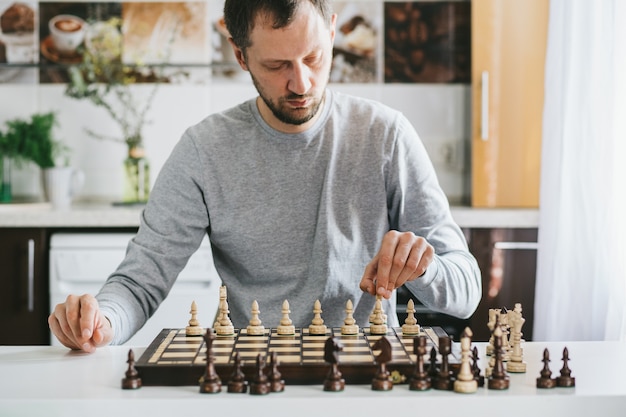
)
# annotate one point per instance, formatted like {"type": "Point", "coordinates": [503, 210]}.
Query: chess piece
{"type": "Point", "coordinates": [545, 379]}
{"type": "Point", "coordinates": [410, 325]}
{"type": "Point", "coordinates": [349, 323]}
{"type": "Point", "coordinates": [334, 381]}
{"type": "Point", "coordinates": [382, 379]}
{"type": "Point", "coordinates": [378, 326]}
{"type": "Point", "coordinates": [210, 383]}
{"type": "Point", "coordinates": [222, 297]}
{"type": "Point", "coordinates": [286, 326]}
{"type": "Point", "coordinates": [465, 382]}
{"type": "Point", "coordinates": [275, 381]}
{"type": "Point", "coordinates": [419, 381]}
{"type": "Point", "coordinates": [226, 327]}
{"type": "Point", "coordinates": [237, 383]}
{"type": "Point", "coordinates": [194, 329]}
{"type": "Point", "coordinates": [373, 314]}
{"type": "Point", "coordinates": [565, 379]}
{"type": "Point", "coordinates": [516, 362]}
{"type": "Point", "coordinates": [476, 369]}
{"type": "Point", "coordinates": [317, 326]}
{"type": "Point", "coordinates": [433, 368]}
{"type": "Point", "coordinates": [260, 384]}
{"type": "Point", "coordinates": [506, 330]}
{"type": "Point", "coordinates": [131, 378]}
{"type": "Point", "coordinates": [491, 324]}
{"type": "Point", "coordinates": [255, 328]}
{"type": "Point", "coordinates": [444, 379]}
{"type": "Point", "coordinates": [498, 378]}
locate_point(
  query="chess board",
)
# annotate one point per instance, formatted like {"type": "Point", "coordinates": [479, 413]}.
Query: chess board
{"type": "Point", "coordinates": [175, 359]}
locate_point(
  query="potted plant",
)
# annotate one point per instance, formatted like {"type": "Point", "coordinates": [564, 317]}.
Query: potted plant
{"type": "Point", "coordinates": [30, 140]}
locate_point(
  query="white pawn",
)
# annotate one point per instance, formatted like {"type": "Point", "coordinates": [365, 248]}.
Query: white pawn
{"type": "Point", "coordinates": [349, 323]}
{"type": "Point", "coordinates": [410, 325]}
{"type": "Point", "coordinates": [194, 328]}
{"type": "Point", "coordinates": [286, 326]}
{"type": "Point", "coordinates": [317, 326]}
{"type": "Point", "coordinates": [225, 327]}
{"type": "Point", "coordinates": [255, 328]}
{"type": "Point", "coordinates": [378, 325]}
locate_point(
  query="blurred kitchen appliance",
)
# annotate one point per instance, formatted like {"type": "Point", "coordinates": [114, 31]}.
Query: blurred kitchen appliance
{"type": "Point", "coordinates": [81, 262]}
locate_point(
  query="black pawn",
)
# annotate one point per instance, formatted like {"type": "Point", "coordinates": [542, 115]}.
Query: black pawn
{"type": "Point", "coordinates": [131, 379]}
{"type": "Point", "coordinates": [237, 383]}
{"type": "Point", "coordinates": [419, 381]}
{"type": "Point", "coordinates": [545, 380]}
{"type": "Point", "coordinates": [432, 366]}
{"type": "Point", "coordinates": [480, 380]}
{"type": "Point", "coordinates": [566, 379]}
{"type": "Point", "coordinates": [210, 383]}
{"type": "Point", "coordinates": [260, 384]}
{"type": "Point", "coordinates": [444, 379]}
{"type": "Point", "coordinates": [277, 384]}
{"type": "Point", "coordinates": [499, 379]}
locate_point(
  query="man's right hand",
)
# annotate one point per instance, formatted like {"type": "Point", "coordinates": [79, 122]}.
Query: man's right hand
{"type": "Point", "coordinates": [79, 324]}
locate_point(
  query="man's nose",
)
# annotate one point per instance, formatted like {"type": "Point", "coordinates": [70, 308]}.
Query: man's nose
{"type": "Point", "coordinates": [299, 80]}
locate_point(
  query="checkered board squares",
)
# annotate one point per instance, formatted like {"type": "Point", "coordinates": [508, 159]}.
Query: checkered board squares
{"type": "Point", "coordinates": [174, 358]}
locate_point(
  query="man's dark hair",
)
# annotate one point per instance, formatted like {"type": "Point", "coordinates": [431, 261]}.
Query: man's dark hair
{"type": "Point", "coordinates": [240, 15]}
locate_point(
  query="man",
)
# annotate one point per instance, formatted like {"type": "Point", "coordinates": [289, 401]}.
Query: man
{"type": "Point", "coordinates": [302, 191]}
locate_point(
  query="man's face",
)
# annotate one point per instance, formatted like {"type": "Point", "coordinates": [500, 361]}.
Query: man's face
{"type": "Point", "coordinates": [290, 68]}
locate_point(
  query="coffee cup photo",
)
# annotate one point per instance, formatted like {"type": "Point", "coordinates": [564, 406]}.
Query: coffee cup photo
{"type": "Point", "coordinates": [68, 32]}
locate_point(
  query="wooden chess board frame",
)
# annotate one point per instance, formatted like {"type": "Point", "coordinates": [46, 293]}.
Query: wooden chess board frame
{"type": "Point", "coordinates": [175, 359]}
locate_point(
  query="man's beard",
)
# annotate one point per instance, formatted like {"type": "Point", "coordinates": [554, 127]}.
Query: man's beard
{"type": "Point", "coordinates": [286, 116]}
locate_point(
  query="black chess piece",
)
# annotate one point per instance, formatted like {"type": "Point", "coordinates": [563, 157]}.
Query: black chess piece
{"type": "Point", "coordinates": [565, 379]}
{"type": "Point", "coordinates": [260, 384]}
{"type": "Point", "coordinates": [210, 383]}
{"type": "Point", "coordinates": [334, 381]}
{"type": "Point", "coordinates": [131, 379]}
{"type": "Point", "coordinates": [277, 384]}
{"type": "Point", "coordinates": [545, 380]}
{"type": "Point", "coordinates": [499, 379]}
{"type": "Point", "coordinates": [480, 380]}
{"type": "Point", "coordinates": [419, 381]}
{"type": "Point", "coordinates": [433, 368]}
{"type": "Point", "coordinates": [382, 380]}
{"type": "Point", "coordinates": [237, 383]}
{"type": "Point", "coordinates": [444, 379]}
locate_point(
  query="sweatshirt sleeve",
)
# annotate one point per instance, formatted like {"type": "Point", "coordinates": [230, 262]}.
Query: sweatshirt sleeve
{"type": "Point", "coordinates": [172, 227]}
{"type": "Point", "coordinates": [452, 283]}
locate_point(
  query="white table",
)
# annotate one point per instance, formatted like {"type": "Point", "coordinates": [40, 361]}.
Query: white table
{"type": "Point", "coordinates": [52, 381]}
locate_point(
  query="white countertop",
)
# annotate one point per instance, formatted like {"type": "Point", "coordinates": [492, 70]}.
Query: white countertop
{"type": "Point", "coordinates": [103, 215]}
{"type": "Point", "coordinates": [52, 381]}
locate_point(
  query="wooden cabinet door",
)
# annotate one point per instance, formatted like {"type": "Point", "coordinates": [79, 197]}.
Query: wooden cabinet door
{"type": "Point", "coordinates": [24, 299]}
{"type": "Point", "coordinates": [508, 58]}
{"type": "Point", "coordinates": [508, 261]}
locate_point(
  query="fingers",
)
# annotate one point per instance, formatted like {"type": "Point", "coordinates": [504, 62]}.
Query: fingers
{"type": "Point", "coordinates": [78, 323]}
{"type": "Point", "coordinates": [402, 257]}
{"type": "Point", "coordinates": [368, 281]}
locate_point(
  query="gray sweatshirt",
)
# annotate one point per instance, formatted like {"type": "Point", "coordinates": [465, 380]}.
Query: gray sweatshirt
{"type": "Point", "coordinates": [293, 217]}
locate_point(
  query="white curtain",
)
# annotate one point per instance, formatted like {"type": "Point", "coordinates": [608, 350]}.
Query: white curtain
{"type": "Point", "coordinates": [581, 273]}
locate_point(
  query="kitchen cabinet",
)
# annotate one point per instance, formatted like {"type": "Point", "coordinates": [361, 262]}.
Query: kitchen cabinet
{"type": "Point", "coordinates": [507, 258]}
{"type": "Point", "coordinates": [24, 305]}
{"type": "Point", "coordinates": [508, 58]}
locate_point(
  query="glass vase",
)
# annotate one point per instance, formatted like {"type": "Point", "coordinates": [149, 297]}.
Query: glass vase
{"type": "Point", "coordinates": [5, 179]}
{"type": "Point", "coordinates": [136, 177]}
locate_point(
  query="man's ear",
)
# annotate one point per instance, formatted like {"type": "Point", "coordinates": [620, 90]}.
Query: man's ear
{"type": "Point", "coordinates": [238, 55]}
{"type": "Point", "coordinates": [333, 27]}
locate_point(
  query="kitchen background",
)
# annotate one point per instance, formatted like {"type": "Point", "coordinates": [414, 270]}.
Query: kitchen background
{"type": "Point", "coordinates": [413, 56]}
